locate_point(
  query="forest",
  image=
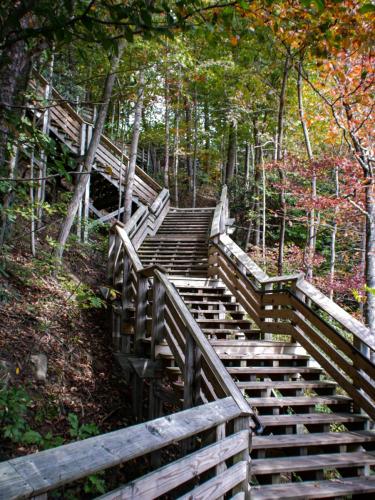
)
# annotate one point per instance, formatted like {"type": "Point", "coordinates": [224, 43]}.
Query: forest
{"type": "Point", "coordinates": [273, 99]}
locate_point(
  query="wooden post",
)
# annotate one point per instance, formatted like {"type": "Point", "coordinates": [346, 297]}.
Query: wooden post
{"type": "Point", "coordinates": [221, 467]}
{"type": "Point", "coordinates": [243, 423]}
{"type": "Point", "coordinates": [126, 284]}
{"type": "Point", "coordinates": [192, 373]}
{"type": "Point", "coordinates": [141, 313]}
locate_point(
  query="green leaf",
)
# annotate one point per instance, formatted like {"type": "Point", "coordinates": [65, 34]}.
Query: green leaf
{"type": "Point", "coordinates": [368, 7]}
{"type": "Point", "coordinates": [31, 437]}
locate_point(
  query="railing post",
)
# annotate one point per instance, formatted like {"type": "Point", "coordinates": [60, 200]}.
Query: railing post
{"type": "Point", "coordinates": [157, 335]}
{"type": "Point", "coordinates": [192, 373]}
{"type": "Point", "coordinates": [240, 424]}
{"type": "Point", "coordinates": [141, 313]}
{"type": "Point", "coordinates": [126, 284]}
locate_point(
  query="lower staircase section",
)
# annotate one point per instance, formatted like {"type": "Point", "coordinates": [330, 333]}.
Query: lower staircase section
{"type": "Point", "coordinates": [315, 443]}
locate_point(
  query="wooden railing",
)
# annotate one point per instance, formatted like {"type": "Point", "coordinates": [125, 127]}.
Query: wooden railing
{"type": "Point", "coordinates": [110, 160]}
{"type": "Point", "coordinates": [205, 377]}
{"type": "Point", "coordinates": [224, 455]}
{"type": "Point", "coordinates": [289, 305]}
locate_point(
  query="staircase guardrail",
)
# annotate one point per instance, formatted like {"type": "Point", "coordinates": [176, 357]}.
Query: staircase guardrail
{"type": "Point", "coordinates": [289, 305]}
{"type": "Point", "coordinates": [205, 377]}
{"type": "Point", "coordinates": [34, 475]}
{"type": "Point", "coordinates": [111, 159]}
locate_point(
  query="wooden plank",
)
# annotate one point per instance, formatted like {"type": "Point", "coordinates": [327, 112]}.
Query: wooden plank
{"type": "Point", "coordinates": [165, 479]}
{"type": "Point", "coordinates": [220, 484]}
{"type": "Point", "coordinates": [354, 326]}
{"type": "Point", "coordinates": [312, 462]}
{"type": "Point", "coordinates": [130, 250]}
{"type": "Point", "coordinates": [46, 470]}
{"type": "Point", "coordinates": [316, 489]}
{"type": "Point", "coordinates": [208, 353]}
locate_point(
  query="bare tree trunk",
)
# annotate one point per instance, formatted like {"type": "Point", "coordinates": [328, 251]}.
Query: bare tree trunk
{"type": "Point", "coordinates": [133, 151]}
{"type": "Point", "coordinates": [247, 164]}
{"type": "Point", "coordinates": [90, 155]}
{"type": "Point", "coordinates": [370, 253]}
{"type": "Point", "coordinates": [195, 149]}
{"type": "Point", "coordinates": [311, 238]}
{"type": "Point", "coordinates": [333, 238]}
{"type": "Point", "coordinates": [232, 150]}
{"type": "Point", "coordinates": [188, 143]}
{"type": "Point", "coordinates": [166, 121]}
{"type": "Point", "coordinates": [177, 145]}
{"type": "Point", "coordinates": [257, 160]}
{"type": "Point", "coordinates": [263, 209]}
{"type": "Point", "coordinates": [41, 191]}
{"type": "Point", "coordinates": [279, 157]}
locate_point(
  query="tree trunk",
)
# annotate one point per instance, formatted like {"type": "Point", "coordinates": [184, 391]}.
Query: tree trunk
{"type": "Point", "coordinates": [177, 145]}
{"type": "Point", "coordinates": [311, 238]}
{"type": "Point", "coordinates": [279, 157]}
{"type": "Point", "coordinates": [333, 238]}
{"type": "Point", "coordinates": [133, 151]}
{"type": "Point", "coordinates": [247, 164]}
{"type": "Point", "coordinates": [195, 149]}
{"type": "Point", "coordinates": [232, 149]}
{"type": "Point", "coordinates": [188, 143]}
{"type": "Point", "coordinates": [257, 160]}
{"type": "Point", "coordinates": [166, 120]}
{"type": "Point", "coordinates": [370, 254]}
{"type": "Point", "coordinates": [41, 191]}
{"type": "Point", "coordinates": [90, 155]}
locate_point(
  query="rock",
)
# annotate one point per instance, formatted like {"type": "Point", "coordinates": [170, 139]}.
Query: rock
{"type": "Point", "coordinates": [6, 371]}
{"type": "Point", "coordinates": [40, 366]}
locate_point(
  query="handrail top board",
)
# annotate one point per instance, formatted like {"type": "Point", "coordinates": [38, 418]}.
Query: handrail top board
{"type": "Point", "coordinates": [355, 327]}
{"type": "Point", "coordinates": [34, 474]}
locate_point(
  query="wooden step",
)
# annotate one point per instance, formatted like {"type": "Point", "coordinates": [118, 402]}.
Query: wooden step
{"type": "Point", "coordinates": [312, 462]}
{"type": "Point", "coordinates": [311, 419]}
{"type": "Point", "coordinates": [264, 371]}
{"type": "Point", "coordinates": [264, 356]}
{"type": "Point", "coordinates": [316, 489]}
{"type": "Point", "coordinates": [286, 384]}
{"type": "Point", "coordinates": [298, 401]}
{"type": "Point", "coordinates": [312, 439]}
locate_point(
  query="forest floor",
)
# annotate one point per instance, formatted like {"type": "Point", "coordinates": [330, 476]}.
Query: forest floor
{"type": "Point", "coordinates": [63, 321]}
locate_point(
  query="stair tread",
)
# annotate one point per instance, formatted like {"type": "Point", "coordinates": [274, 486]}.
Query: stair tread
{"type": "Point", "coordinates": [285, 384]}
{"type": "Point", "coordinates": [271, 370]}
{"type": "Point", "coordinates": [311, 462]}
{"type": "Point", "coordinates": [315, 439]}
{"type": "Point", "coordinates": [258, 356]}
{"type": "Point", "coordinates": [310, 418]}
{"type": "Point", "coordinates": [314, 489]}
{"type": "Point", "coordinates": [297, 400]}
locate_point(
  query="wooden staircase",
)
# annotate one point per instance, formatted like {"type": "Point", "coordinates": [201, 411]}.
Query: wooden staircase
{"type": "Point", "coordinates": [74, 131]}
{"type": "Point", "coordinates": [267, 384]}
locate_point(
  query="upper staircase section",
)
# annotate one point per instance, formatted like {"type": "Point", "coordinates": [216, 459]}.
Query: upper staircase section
{"type": "Point", "coordinates": [71, 129]}
{"type": "Point", "coordinates": [181, 242]}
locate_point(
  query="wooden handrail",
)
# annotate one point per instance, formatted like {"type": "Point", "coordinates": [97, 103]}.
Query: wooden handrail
{"type": "Point", "coordinates": [104, 139]}
{"type": "Point", "coordinates": [212, 359]}
{"type": "Point", "coordinates": [353, 326]}
{"type": "Point", "coordinates": [281, 311]}
{"type": "Point", "coordinates": [38, 473]}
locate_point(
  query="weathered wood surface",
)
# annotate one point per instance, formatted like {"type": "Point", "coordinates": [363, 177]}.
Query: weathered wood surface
{"type": "Point", "coordinates": [208, 353]}
{"type": "Point", "coordinates": [220, 484]}
{"type": "Point", "coordinates": [40, 472]}
{"type": "Point", "coordinates": [165, 479]}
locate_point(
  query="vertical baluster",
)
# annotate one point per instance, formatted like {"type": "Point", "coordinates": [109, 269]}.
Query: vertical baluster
{"type": "Point", "coordinates": [243, 423]}
{"type": "Point", "coordinates": [221, 467]}
{"type": "Point", "coordinates": [141, 313]}
{"type": "Point", "coordinates": [192, 373]}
